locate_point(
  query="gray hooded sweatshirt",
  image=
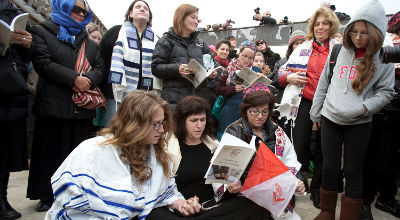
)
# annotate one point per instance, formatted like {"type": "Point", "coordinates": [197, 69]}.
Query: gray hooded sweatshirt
{"type": "Point", "coordinates": [338, 102]}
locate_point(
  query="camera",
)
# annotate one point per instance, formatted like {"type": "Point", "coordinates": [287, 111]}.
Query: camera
{"type": "Point", "coordinates": [257, 11]}
{"type": "Point", "coordinates": [390, 54]}
{"type": "Point", "coordinates": [230, 21]}
{"type": "Point", "coordinates": [285, 20]}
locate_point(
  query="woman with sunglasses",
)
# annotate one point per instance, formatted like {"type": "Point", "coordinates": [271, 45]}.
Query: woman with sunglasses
{"type": "Point", "coordinates": [360, 86]}
{"type": "Point", "coordinates": [60, 125]}
{"type": "Point", "coordinates": [301, 74]}
{"type": "Point", "coordinates": [256, 112]}
{"type": "Point", "coordinates": [231, 92]}
{"type": "Point", "coordinates": [191, 150]}
{"type": "Point", "coordinates": [124, 172]}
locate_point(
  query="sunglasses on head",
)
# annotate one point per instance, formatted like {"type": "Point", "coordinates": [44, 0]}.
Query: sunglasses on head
{"type": "Point", "coordinates": [77, 10]}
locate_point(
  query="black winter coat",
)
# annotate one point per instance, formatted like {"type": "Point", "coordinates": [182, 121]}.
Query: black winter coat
{"type": "Point", "coordinates": [54, 61]}
{"type": "Point", "coordinates": [170, 52]}
{"type": "Point", "coordinates": [270, 58]}
{"type": "Point", "coordinates": [13, 74]}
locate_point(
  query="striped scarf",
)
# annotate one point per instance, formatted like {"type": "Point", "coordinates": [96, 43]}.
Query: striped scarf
{"type": "Point", "coordinates": [292, 95]}
{"type": "Point", "coordinates": [125, 61]}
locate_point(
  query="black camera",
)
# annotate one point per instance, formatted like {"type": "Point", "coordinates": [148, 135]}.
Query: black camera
{"type": "Point", "coordinates": [390, 54]}
{"type": "Point", "coordinates": [230, 21]}
{"type": "Point", "coordinates": [257, 11]}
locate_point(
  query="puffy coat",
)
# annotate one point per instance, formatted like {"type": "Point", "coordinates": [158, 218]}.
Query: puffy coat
{"type": "Point", "coordinates": [170, 52]}
{"type": "Point", "coordinates": [13, 74]}
{"type": "Point", "coordinates": [54, 61]}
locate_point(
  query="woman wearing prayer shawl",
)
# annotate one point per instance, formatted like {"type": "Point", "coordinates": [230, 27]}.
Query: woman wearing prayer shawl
{"type": "Point", "coordinates": [60, 125]}
{"type": "Point", "coordinates": [127, 50]}
{"type": "Point", "coordinates": [125, 171]}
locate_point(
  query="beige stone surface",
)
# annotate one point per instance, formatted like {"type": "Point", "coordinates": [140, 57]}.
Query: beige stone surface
{"type": "Point", "coordinates": [19, 180]}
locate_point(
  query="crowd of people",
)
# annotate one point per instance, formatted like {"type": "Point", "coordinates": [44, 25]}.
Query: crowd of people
{"type": "Point", "coordinates": [141, 143]}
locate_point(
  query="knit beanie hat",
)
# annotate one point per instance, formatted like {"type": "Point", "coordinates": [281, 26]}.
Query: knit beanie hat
{"type": "Point", "coordinates": [248, 44]}
{"type": "Point", "coordinates": [394, 23]}
{"type": "Point", "coordinates": [296, 35]}
{"type": "Point", "coordinates": [256, 87]}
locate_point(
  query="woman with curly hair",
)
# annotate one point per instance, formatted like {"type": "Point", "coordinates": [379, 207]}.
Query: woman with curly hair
{"type": "Point", "coordinates": [125, 171]}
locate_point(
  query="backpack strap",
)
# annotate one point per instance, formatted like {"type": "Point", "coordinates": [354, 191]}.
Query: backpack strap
{"type": "Point", "coordinates": [332, 61]}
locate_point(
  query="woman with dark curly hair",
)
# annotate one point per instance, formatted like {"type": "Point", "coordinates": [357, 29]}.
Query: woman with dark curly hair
{"type": "Point", "coordinates": [256, 111]}
{"type": "Point", "coordinates": [191, 150]}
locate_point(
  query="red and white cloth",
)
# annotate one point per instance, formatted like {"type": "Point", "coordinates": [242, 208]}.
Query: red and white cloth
{"type": "Point", "coordinates": [269, 182]}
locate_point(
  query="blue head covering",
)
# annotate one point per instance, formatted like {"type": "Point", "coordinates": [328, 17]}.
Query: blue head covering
{"type": "Point", "coordinates": [68, 26]}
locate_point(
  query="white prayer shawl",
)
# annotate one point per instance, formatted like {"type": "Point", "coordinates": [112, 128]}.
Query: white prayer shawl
{"type": "Point", "coordinates": [93, 183]}
{"type": "Point", "coordinates": [292, 95]}
{"type": "Point", "coordinates": [125, 61]}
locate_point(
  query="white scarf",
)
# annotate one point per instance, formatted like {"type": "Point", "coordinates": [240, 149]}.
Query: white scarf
{"type": "Point", "coordinates": [292, 95]}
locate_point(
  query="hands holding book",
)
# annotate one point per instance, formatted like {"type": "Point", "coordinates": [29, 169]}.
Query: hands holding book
{"type": "Point", "coordinates": [184, 70]}
{"type": "Point", "coordinates": [22, 37]}
{"type": "Point", "coordinates": [234, 187]}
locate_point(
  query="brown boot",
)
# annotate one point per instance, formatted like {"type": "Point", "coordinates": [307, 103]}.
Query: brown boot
{"type": "Point", "coordinates": [350, 208]}
{"type": "Point", "coordinates": [328, 201]}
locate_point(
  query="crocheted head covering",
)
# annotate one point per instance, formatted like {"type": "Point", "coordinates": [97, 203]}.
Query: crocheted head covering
{"type": "Point", "coordinates": [248, 44]}
{"type": "Point", "coordinates": [394, 23]}
{"type": "Point", "coordinates": [256, 87]}
{"type": "Point", "coordinates": [296, 35]}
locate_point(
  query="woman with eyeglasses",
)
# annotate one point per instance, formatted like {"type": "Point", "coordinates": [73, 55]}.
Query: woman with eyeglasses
{"type": "Point", "coordinates": [231, 92]}
{"type": "Point", "coordinates": [125, 171]}
{"type": "Point", "coordinates": [191, 149]}
{"type": "Point", "coordinates": [173, 52]}
{"type": "Point", "coordinates": [301, 74]}
{"type": "Point", "coordinates": [256, 111]}
{"type": "Point", "coordinates": [60, 125]}
{"type": "Point", "coordinates": [343, 107]}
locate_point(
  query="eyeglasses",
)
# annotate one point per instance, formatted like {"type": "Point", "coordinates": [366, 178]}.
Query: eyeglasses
{"type": "Point", "coordinates": [264, 112]}
{"type": "Point", "coordinates": [77, 10]}
{"type": "Point", "coordinates": [355, 34]}
{"type": "Point", "coordinates": [259, 43]}
{"type": "Point", "coordinates": [157, 126]}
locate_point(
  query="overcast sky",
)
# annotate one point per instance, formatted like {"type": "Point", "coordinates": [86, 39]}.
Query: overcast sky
{"type": "Point", "coordinates": [217, 11]}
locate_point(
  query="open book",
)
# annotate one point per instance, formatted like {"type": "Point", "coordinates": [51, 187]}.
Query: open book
{"type": "Point", "coordinates": [248, 77]}
{"type": "Point", "coordinates": [18, 23]}
{"type": "Point", "coordinates": [230, 160]}
{"type": "Point", "coordinates": [199, 75]}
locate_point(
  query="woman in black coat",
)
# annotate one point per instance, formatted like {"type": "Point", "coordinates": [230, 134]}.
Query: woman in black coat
{"type": "Point", "coordinates": [174, 51]}
{"type": "Point", "coordinates": [60, 125]}
{"type": "Point", "coordinates": [13, 107]}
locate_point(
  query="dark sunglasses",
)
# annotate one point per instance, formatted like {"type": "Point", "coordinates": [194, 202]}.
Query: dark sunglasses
{"type": "Point", "coordinates": [259, 43]}
{"type": "Point", "coordinates": [77, 10]}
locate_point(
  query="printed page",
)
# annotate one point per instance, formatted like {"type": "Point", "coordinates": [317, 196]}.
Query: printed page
{"type": "Point", "coordinates": [19, 22]}
{"type": "Point", "coordinates": [229, 160]}
{"type": "Point", "coordinates": [5, 36]}
{"type": "Point", "coordinates": [199, 74]}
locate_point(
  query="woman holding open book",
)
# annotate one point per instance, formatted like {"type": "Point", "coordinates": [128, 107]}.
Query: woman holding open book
{"type": "Point", "coordinates": [256, 111]}
{"type": "Point", "coordinates": [233, 93]}
{"type": "Point", "coordinates": [14, 105]}
{"type": "Point", "coordinates": [173, 52]}
{"type": "Point", "coordinates": [191, 150]}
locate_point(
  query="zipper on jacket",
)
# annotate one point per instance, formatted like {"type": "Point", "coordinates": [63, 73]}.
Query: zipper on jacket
{"type": "Point", "coordinates": [15, 66]}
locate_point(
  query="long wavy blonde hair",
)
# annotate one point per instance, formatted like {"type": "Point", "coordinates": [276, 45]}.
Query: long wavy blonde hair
{"type": "Point", "coordinates": [130, 125]}
{"type": "Point", "coordinates": [366, 67]}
